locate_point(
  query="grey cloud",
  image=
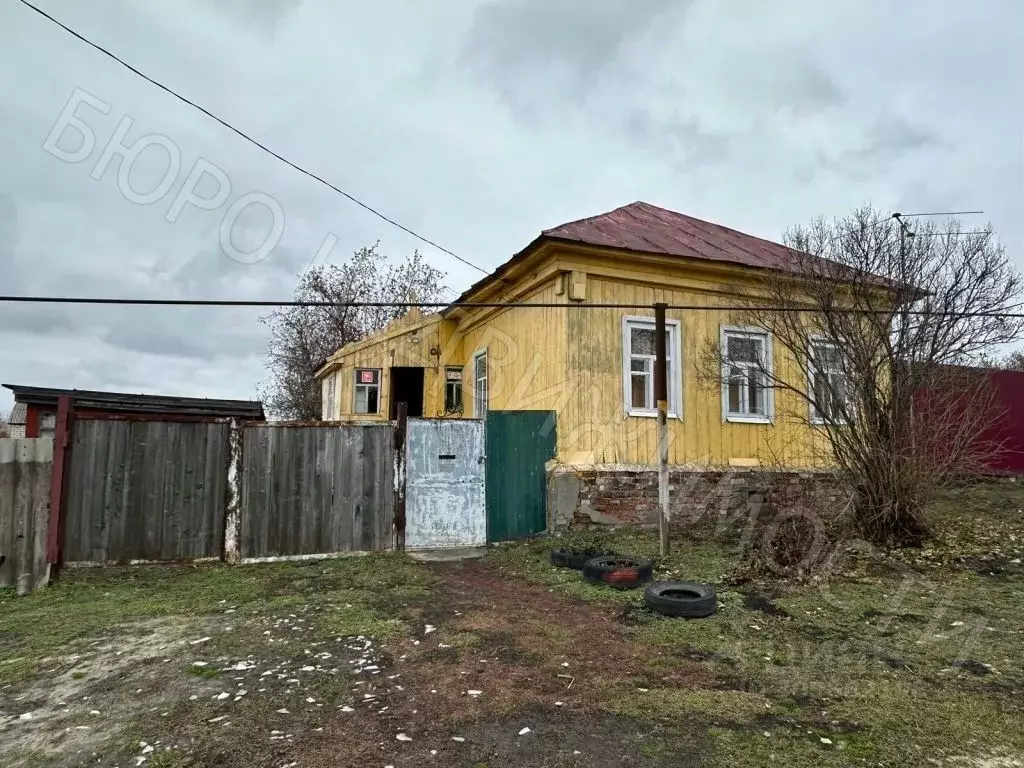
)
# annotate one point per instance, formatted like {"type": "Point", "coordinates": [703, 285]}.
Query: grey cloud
{"type": "Point", "coordinates": [888, 139]}
{"type": "Point", "coordinates": [805, 88]}
{"type": "Point", "coordinates": [8, 234]}
{"type": "Point", "coordinates": [212, 335]}
{"type": "Point", "coordinates": [684, 141]}
{"type": "Point", "coordinates": [534, 51]}
{"type": "Point", "coordinates": [891, 135]}
{"type": "Point", "coordinates": [759, 117]}
{"type": "Point", "coordinates": [43, 320]}
{"type": "Point", "coordinates": [264, 15]}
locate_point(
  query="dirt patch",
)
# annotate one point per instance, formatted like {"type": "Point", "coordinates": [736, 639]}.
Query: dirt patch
{"type": "Point", "coordinates": [691, 654]}
{"type": "Point", "coordinates": [756, 602]}
{"type": "Point", "coordinates": [974, 667]}
{"type": "Point", "coordinates": [492, 657]}
{"type": "Point", "coordinates": [80, 700]}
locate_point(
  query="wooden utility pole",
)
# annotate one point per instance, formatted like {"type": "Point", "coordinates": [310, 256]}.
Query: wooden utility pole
{"type": "Point", "coordinates": [661, 396]}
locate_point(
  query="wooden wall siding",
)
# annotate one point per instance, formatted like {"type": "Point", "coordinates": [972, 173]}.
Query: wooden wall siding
{"type": "Point", "coordinates": [526, 355]}
{"type": "Point", "coordinates": [401, 351]}
{"type": "Point", "coordinates": [146, 490]}
{"type": "Point", "coordinates": [526, 349]}
{"type": "Point", "coordinates": [593, 427]}
{"type": "Point", "coordinates": [25, 469]}
{"type": "Point", "coordinates": [569, 359]}
{"type": "Point", "coordinates": [316, 490]}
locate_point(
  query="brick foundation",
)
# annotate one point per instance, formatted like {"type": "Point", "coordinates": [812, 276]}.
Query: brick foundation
{"type": "Point", "coordinates": [719, 499]}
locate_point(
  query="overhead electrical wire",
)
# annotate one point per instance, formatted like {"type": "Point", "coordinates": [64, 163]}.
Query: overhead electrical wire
{"type": "Point", "coordinates": [251, 140]}
{"type": "Point", "coordinates": [467, 305]}
{"type": "Point", "coordinates": [393, 222]}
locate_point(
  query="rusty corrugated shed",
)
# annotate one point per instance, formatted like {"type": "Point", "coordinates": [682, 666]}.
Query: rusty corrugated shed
{"type": "Point", "coordinates": [18, 415]}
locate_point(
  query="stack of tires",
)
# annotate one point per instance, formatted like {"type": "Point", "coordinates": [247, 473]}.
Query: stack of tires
{"type": "Point", "coordinates": [670, 598]}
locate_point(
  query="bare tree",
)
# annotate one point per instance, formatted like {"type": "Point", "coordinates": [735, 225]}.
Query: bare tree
{"type": "Point", "coordinates": [881, 327]}
{"type": "Point", "coordinates": [1012, 362]}
{"type": "Point", "coordinates": [5, 424]}
{"type": "Point", "coordinates": [301, 338]}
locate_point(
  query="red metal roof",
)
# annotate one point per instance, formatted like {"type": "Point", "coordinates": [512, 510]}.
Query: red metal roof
{"type": "Point", "coordinates": [647, 228]}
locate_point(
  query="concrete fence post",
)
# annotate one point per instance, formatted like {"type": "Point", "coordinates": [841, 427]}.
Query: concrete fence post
{"type": "Point", "coordinates": [26, 467]}
{"type": "Point", "coordinates": [233, 510]}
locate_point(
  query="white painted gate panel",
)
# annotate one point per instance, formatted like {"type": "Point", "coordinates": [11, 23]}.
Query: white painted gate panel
{"type": "Point", "coordinates": [444, 500]}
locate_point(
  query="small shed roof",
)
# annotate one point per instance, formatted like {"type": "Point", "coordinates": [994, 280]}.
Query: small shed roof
{"type": "Point", "coordinates": [133, 403]}
{"type": "Point", "coordinates": [18, 415]}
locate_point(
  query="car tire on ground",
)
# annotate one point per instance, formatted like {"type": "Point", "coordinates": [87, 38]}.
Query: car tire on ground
{"type": "Point", "coordinates": [681, 599]}
{"type": "Point", "coordinates": [618, 571]}
{"type": "Point", "coordinates": [566, 558]}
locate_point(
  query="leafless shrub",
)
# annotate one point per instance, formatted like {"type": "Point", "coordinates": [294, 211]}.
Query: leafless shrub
{"type": "Point", "coordinates": [880, 331]}
{"type": "Point", "coordinates": [5, 424]}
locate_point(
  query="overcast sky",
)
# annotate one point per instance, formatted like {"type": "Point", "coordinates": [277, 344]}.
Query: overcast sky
{"type": "Point", "coordinates": [475, 123]}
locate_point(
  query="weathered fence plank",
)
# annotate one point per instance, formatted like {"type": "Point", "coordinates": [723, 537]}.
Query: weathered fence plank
{"type": "Point", "coordinates": [26, 466]}
{"type": "Point", "coordinates": [146, 490]}
{"type": "Point", "coordinates": [308, 490]}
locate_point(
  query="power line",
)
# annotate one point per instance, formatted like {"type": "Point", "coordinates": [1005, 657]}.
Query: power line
{"type": "Point", "coordinates": [939, 213]}
{"type": "Point", "coordinates": [472, 305]}
{"type": "Point", "coordinates": [251, 140]}
{"type": "Point", "coordinates": [950, 234]}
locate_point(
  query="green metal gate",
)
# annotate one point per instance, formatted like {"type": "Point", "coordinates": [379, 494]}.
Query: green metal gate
{"type": "Point", "coordinates": [518, 443]}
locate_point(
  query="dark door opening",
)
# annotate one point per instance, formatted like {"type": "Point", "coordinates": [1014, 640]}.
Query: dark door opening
{"type": "Point", "coordinates": [407, 387]}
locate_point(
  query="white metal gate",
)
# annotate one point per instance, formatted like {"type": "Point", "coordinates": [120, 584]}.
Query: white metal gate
{"type": "Point", "coordinates": [444, 501]}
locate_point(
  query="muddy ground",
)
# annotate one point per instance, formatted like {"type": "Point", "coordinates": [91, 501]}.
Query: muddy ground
{"type": "Point", "coordinates": [910, 659]}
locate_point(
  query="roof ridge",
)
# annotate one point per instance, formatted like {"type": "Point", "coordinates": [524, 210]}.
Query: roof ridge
{"type": "Point", "coordinates": [590, 218]}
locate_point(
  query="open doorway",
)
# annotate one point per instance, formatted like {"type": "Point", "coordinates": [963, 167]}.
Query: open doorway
{"type": "Point", "coordinates": [407, 387]}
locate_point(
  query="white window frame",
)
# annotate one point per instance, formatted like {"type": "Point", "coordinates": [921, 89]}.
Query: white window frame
{"type": "Point", "coordinates": [459, 384]}
{"type": "Point", "coordinates": [812, 371]}
{"type": "Point", "coordinates": [675, 384]}
{"type": "Point", "coordinates": [769, 391]}
{"type": "Point", "coordinates": [479, 412]}
{"type": "Point", "coordinates": [356, 385]}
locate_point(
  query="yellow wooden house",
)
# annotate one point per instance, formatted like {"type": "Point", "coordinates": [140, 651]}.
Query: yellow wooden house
{"type": "Point", "coordinates": [560, 349]}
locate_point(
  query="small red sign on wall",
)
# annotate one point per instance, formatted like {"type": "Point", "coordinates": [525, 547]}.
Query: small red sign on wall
{"type": "Point", "coordinates": [367, 377]}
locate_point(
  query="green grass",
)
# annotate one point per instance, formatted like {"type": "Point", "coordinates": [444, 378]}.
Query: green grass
{"type": "Point", "coordinates": [205, 673]}
{"type": "Point", "coordinates": [870, 660]}
{"type": "Point", "coordinates": [358, 595]}
{"type": "Point", "coordinates": [170, 758]}
{"type": "Point", "coordinates": [695, 562]}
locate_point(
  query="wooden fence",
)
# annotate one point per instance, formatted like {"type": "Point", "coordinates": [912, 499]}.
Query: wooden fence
{"type": "Point", "coordinates": [138, 489]}
{"type": "Point", "coordinates": [146, 490]}
{"type": "Point", "coordinates": [25, 471]}
{"type": "Point", "coordinates": [308, 490]}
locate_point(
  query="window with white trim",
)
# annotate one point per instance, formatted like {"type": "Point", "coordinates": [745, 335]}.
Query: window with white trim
{"type": "Point", "coordinates": [638, 355]}
{"type": "Point", "coordinates": [480, 392]}
{"type": "Point", "coordinates": [830, 384]}
{"type": "Point", "coordinates": [367, 391]}
{"type": "Point", "coordinates": [332, 383]}
{"type": "Point", "coordinates": [746, 390]}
